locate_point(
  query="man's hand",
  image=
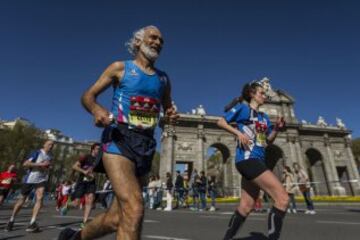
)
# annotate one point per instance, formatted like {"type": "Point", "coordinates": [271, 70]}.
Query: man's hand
{"type": "Point", "coordinates": [171, 115]}
{"type": "Point", "coordinates": [102, 117]}
{"type": "Point", "coordinates": [44, 165]}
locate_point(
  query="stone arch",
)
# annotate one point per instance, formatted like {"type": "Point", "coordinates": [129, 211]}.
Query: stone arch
{"type": "Point", "coordinates": [316, 171]}
{"type": "Point", "coordinates": [219, 165]}
{"type": "Point", "coordinates": [274, 158]}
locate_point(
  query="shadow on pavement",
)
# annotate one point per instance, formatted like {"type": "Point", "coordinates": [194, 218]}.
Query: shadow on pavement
{"type": "Point", "coordinates": [254, 236]}
{"type": "Point", "coordinates": [59, 224]}
{"type": "Point", "coordinates": [11, 237]}
{"type": "Point", "coordinates": [354, 210]}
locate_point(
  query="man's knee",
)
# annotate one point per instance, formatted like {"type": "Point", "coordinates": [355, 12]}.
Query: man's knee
{"type": "Point", "coordinates": [89, 199]}
{"type": "Point", "coordinates": [39, 198]}
{"type": "Point", "coordinates": [133, 212]}
{"type": "Point", "coordinates": [112, 220]}
{"type": "Point", "coordinates": [21, 200]}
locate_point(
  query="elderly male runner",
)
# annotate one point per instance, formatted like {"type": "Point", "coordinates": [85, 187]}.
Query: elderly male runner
{"type": "Point", "coordinates": [128, 144]}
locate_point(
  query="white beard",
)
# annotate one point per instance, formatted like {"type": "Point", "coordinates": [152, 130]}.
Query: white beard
{"type": "Point", "coordinates": [149, 53]}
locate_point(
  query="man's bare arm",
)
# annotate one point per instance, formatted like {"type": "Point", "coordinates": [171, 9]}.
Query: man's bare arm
{"type": "Point", "coordinates": [76, 167]}
{"type": "Point", "coordinates": [30, 164]}
{"type": "Point", "coordinates": [111, 75]}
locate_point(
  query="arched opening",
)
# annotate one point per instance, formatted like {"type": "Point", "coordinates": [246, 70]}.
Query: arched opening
{"type": "Point", "coordinates": [316, 172]}
{"type": "Point", "coordinates": [217, 165]}
{"type": "Point", "coordinates": [274, 159]}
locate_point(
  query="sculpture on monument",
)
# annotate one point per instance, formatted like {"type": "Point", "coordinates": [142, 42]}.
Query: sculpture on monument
{"type": "Point", "coordinates": [200, 110]}
{"type": "Point", "coordinates": [174, 106]}
{"type": "Point", "coordinates": [265, 82]}
{"type": "Point", "coordinates": [340, 124]}
{"type": "Point", "coordinates": [321, 122]}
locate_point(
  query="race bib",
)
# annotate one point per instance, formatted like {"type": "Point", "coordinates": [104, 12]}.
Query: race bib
{"type": "Point", "coordinates": [261, 139]}
{"type": "Point", "coordinates": [88, 178]}
{"type": "Point", "coordinates": [260, 128]}
{"type": "Point", "coordinates": [144, 112]}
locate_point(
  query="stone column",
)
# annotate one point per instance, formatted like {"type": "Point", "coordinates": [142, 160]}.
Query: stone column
{"type": "Point", "coordinates": [232, 176]}
{"type": "Point", "coordinates": [352, 168]}
{"type": "Point", "coordinates": [300, 155]}
{"type": "Point", "coordinates": [167, 158]}
{"type": "Point", "coordinates": [331, 172]}
{"type": "Point", "coordinates": [200, 153]}
{"type": "Point", "coordinates": [285, 112]}
{"type": "Point", "coordinates": [293, 157]}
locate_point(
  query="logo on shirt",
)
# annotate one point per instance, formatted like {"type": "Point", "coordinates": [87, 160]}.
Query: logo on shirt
{"type": "Point", "coordinates": [133, 72]}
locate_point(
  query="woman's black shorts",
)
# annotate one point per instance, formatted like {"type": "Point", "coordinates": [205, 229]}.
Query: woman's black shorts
{"type": "Point", "coordinates": [251, 168]}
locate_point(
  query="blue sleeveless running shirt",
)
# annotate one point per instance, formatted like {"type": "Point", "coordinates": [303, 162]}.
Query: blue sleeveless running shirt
{"type": "Point", "coordinates": [256, 125]}
{"type": "Point", "coordinates": [137, 98]}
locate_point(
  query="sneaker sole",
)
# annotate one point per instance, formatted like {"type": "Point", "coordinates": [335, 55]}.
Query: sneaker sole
{"type": "Point", "coordinates": [33, 230]}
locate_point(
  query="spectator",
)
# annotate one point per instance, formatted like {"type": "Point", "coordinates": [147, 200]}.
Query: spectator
{"type": "Point", "coordinates": [212, 192]}
{"type": "Point", "coordinates": [304, 186]}
{"type": "Point", "coordinates": [288, 181]}
{"type": "Point", "coordinates": [179, 190]}
{"type": "Point", "coordinates": [169, 188]}
{"type": "Point", "coordinates": [202, 190]}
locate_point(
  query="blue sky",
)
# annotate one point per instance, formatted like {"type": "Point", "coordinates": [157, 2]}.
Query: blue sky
{"type": "Point", "coordinates": [51, 51]}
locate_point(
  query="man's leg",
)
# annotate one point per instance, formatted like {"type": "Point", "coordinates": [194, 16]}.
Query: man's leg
{"type": "Point", "coordinates": [103, 223]}
{"type": "Point", "coordinates": [121, 172]}
{"type": "Point", "coordinates": [1, 199]}
{"type": "Point", "coordinates": [17, 207]}
{"type": "Point", "coordinates": [38, 204]}
{"type": "Point", "coordinates": [89, 200]}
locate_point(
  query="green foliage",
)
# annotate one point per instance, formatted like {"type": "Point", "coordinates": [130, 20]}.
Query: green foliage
{"type": "Point", "coordinates": [17, 144]}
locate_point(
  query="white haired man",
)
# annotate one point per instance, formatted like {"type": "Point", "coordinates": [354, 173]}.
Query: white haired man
{"type": "Point", "coordinates": [37, 165]}
{"type": "Point", "coordinates": [127, 142]}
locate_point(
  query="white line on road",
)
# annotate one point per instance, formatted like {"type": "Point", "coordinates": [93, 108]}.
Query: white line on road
{"type": "Point", "coordinates": [227, 218]}
{"type": "Point", "coordinates": [80, 217]}
{"type": "Point", "coordinates": [252, 214]}
{"type": "Point", "coordinates": [164, 237]}
{"type": "Point", "coordinates": [335, 222]}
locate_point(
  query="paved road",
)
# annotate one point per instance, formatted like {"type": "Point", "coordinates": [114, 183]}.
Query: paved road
{"type": "Point", "coordinates": [330, 223]}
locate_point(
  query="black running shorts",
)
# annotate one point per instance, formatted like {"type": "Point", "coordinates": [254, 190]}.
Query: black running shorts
{"type": "Point", "coordinates": [83, 188]}
{"type": "Point", "coordinates": [137, 145]}
{"type": "Point", "coordinates": [28, 187]}
{"type": "Point", "coordinates": [251, 168]}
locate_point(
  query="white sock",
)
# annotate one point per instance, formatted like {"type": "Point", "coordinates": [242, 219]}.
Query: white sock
{"type": "Point", "coordinates": [33, 219]}
{"type": "Point", "coordinates": [12, 218]}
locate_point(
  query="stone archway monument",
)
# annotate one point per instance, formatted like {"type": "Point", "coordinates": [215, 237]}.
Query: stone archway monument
{"type": "Point", "coordinates": [187, 142]}
{"type": "Point", "coordinates": [329, 162]}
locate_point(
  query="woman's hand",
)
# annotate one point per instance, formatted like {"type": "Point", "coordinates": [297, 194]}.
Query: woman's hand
{"type": "Point", "coordinates": [280, 124]}
{"type": "Point", "coordinates": [244, 140]}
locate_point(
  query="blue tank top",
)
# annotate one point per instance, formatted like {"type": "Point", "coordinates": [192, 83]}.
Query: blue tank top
{"type": "Point", "coordinates": [137, 98]}
{"type": "Point", "coordinates": [256, 125]}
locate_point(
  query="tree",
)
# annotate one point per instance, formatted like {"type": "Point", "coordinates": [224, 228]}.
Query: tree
{"type": "Point", "coordinates": [16, 145]}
